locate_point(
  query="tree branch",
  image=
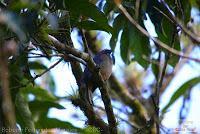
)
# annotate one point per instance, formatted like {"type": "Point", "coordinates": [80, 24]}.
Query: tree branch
{"type": "Point", "coordinates": [67, 49]}
{"type": "Point", "coordinates": [108, 107]}
{"type": "Point", "coordinates": [122, 119]}
{"type": "Point", "coordinates": [84, 41]}
{"type": "Point", "coordinates": [93, 118]}
{"type": "Point", "coordinates": [47, 70]}
{"type": "Point", "coordinates": [6, 103]}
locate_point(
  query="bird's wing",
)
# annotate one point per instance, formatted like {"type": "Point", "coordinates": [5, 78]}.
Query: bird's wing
{"type": "Point", "coordinates": [97, 59]}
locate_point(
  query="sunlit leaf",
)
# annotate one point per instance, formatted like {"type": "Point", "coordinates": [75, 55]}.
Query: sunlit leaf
{"type": "Point", "coordinates": [23, 113]}
{"type": "Point", "coordinates": [37, 105]}
{"type": "Point", "coordinates": [181, 91]}
{"type": "Point", "coordinates": [139, 45]}
{"type": "Point", "coordinates": [37, 65]}
{"type": "Point", "coordinates": [41, 108]}
{"type": "Point", "coordinates": [47, 123]}
{"type": "Point", "coordinates": [51, 82]}
{"type": "Point", "coordinates": [39, 93]}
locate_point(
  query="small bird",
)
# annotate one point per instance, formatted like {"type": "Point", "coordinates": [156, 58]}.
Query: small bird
{"type": "Point", "coordinates": [104, 60]}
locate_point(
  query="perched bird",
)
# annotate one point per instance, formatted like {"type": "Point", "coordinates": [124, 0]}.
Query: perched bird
{"type": "Point", "coordinates": [104, 60]}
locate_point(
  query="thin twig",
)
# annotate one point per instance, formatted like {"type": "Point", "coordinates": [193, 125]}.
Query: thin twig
{"type": "Point", "coordinates": [152, 61]}
{"type": "Point", "coordinates": [137, 9]}
{"type": "Point", "coordinates": [84, 41]}
{"type": "Point", "coordinates": [156, 98]}
{"type": "Point", "coordinates": [47, 70]}
{"type": "Point", "coordinates": [69, 56]}
{"type": "Point", "coordinates": [163, 14]}
{"type": "Point", "coordinates": [122, 119]}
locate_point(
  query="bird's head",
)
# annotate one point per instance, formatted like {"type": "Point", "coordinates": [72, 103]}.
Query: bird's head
{"type": "Point", "coordinates": [109, 53]}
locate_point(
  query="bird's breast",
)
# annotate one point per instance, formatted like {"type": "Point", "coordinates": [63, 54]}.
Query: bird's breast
{"type": "Point", "coordinates": [106, 68]}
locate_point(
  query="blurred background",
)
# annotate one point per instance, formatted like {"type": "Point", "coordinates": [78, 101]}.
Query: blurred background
{"type": "Point", "coordinates": [43, 84]}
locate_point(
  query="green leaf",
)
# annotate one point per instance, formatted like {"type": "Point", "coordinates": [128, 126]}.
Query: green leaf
{"type": "Point", "coordinates": [37, 105]}
{"type": "Point", "coordinates": [133, 42]}
{"type": "Point", "coordinates": [167, 37]}
{"type": "Point", "coordinates": [181, 91]}
{"type": "Point", "coordinates": [186, 10]}
{"type": "Point", "coordinates": [40, 109]}
{"type": "Point", "coordinates": [51, 83]}
{"type": "Point", "coordinates": [23, 113]}
{"type": "Point", "coordinates": [124, 47]}
{"type": "Point", "coordinates": [91, 25]}
{"type": "Point", "coordinates": [118, 24]}
{"type": "Point", "coordinates": [174, 59]}
{"type": "Point", "coordinates": [139, 46]}
{"type": "Point", "coordinates": [167, 31]}
{"type": "Point", "coordinates": [37, 65]}
{"type": "Point", "coordinates": [48, 123]}
{"type": "Point", "coordinates": [195, 3]}
{"type": "Point", "coordinates": [39, 93]}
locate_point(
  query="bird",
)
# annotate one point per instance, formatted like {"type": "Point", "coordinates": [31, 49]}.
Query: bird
{"type": "Point", "coordinates": [104, 60]}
